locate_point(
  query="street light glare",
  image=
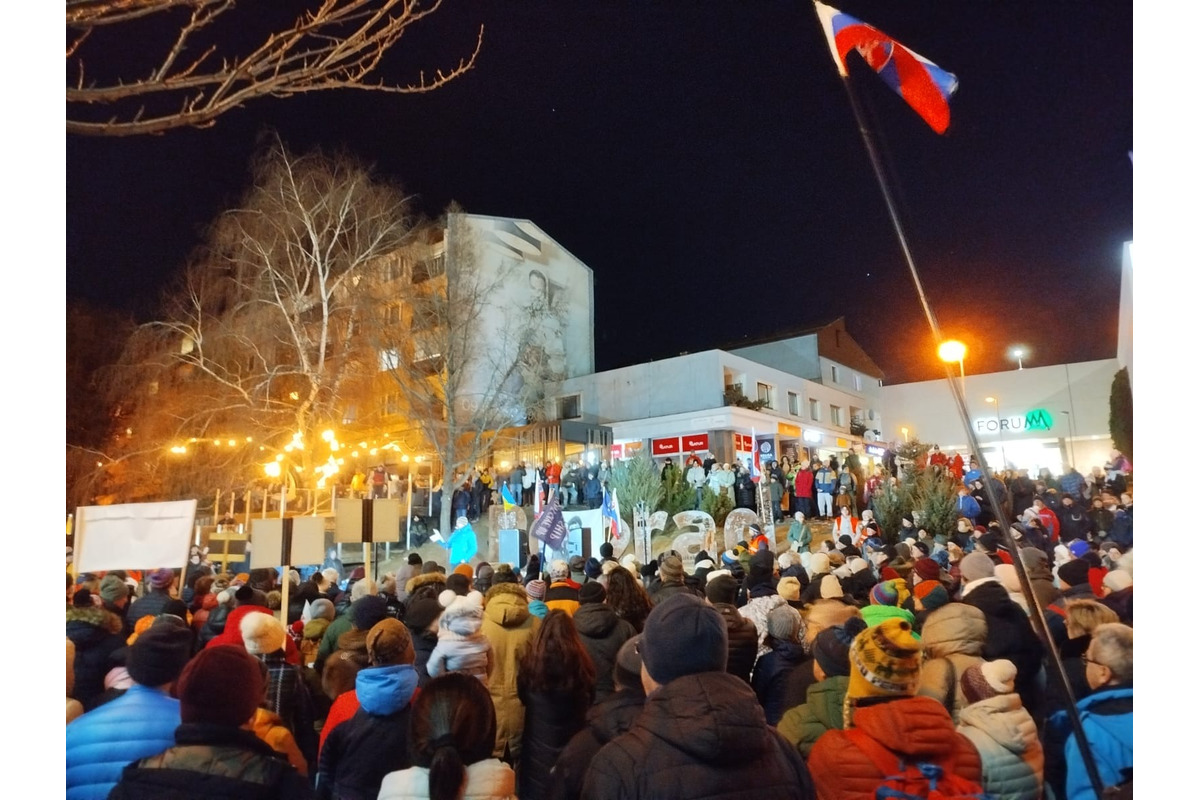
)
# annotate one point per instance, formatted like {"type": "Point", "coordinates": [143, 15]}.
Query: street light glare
{"type": "Point", "coordinates": [989, 399]}
{"type": "Point", "coordinates": [952, 351]}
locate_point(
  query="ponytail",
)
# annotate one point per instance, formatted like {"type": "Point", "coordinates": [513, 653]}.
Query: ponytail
{"type": "Point", "coordinates": [446, 772]}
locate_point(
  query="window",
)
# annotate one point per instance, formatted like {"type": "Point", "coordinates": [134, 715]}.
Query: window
{"type": "Point", "coordinates": [423, 319]}
{"type": "Point", "coordinates": [428, 268]}
{"type": "Point", "coordinates": [568, 407]}
{"type": "Point", "coordinates": [389, 359]}
{"type": "Point", "coordinates": [764, 395]}
{"type": "Point", "coordinates": [835, 376]}
{"type": "Point", "coordinates": [857, 382]}
{"type": "Point", "coordinates": [793, 404]}
{"type": "Point", "coordinates": [391, 403]}
{"type": "Point", "coordinates": [814, 409]}
{"type": "Point", "coordinates": [391, 315]}
{"type": "Point", "coordinates": [835, 415]}
{"type": "Point", "coordinates": [393, 269]}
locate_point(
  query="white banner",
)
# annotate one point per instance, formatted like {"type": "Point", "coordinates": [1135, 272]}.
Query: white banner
{"type": "Point", "coordinates": [134, 535]}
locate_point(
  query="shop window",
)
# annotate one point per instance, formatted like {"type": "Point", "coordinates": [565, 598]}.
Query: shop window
{"type": "Point", "coordinates": [835, 416]}
{"type": "Point", "coordinates": [568, 407]}
{"type": "Point", "coordinates": [793, 404]}
{"type": "Point", "coordinates": [814, 409]}
{"type": "Point", "coordinates": [765, 393]}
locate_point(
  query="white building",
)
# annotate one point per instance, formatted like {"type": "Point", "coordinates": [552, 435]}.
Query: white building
{"type": "Point", "coordinates": [1034, 417]}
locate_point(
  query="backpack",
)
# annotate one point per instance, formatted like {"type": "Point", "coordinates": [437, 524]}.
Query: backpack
{"type": "Point", "coordinates": [913, 781]}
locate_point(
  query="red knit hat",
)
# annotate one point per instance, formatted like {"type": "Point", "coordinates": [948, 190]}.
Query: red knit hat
{"type": "Point", "coordinates": [222, 685]}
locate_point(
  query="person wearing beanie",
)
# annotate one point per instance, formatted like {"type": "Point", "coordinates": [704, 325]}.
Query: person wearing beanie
{"type": "Point", "coordinates": [139, 723]}
{"type": "Point", "coordinates": [607, 719]}
{"type": "Point", "coordinates": [504, 573]}
{"type": "Point", "coordinates": [1118, 594]}
{"type": "Point", "coordinates": [535, 591]}
{"type": "Point", "coordinates": [818, 568]}
{"type": "Point", "coordinates": [533, 569]}
{"type": "Point", "coordinates": [803, 724]}
{"type": "Point", "coordinates": [422, 618]}
{"type": "Point", "coordinates": [1074, 584]}
{"type": "Point", "coordinates": [799, 534]}
{"type": "Point", "coordinates": [831, 589]}
{"type": "Point", "coordinates": [321, 614]}
{"type": "Point", "coordinates": [410, 569]}
{"type": "Point", "coordinates": [885, 721]}
{"type": "Point", "coordinates": [114, 597]}
{"type": "Point", "coordinates": [953, 638]}
{"type": "Point", "coordinates": [761, 595]}
{"type": "Point", "coordinates": [721, 592]}
{"type": "Point", "coordinates": [1041, 578]}
{"type": "Point", "coordinates": [361, 750]}
{"type": "Point", "coordinates": [364, 601]}
{"type": "Point", "coordinates": [701, 726]}
{"type": "Point", "coordinates": [562, 593]}
{"type": "Point", "coordinates": [483, 577]}
{"type": "Point", "coordinates": [602, 634]}
{"type": "Point", "coordinates": [789, 589]}
{"type": "Point", "coordinates": [461, 646]}
{"type": "Point", "coordinates": [509, 627]}
{"type": "Point", "coordinates": [232, 631]}
{"type": "Point", "coordinates": [670, 579]}
{"type": "Point", "coordinates": [1002, 731]}
{"type": "Point", "coordinates": [97, 634]}
{"type": "Point", "coordinates": [890, 593]}
{"type": "Point", "coordinates": [606, 552]}
{"type": "Point", "coordinates": [785, 632]}
{"type": "Point", "coordinates": [287, 694]}
{"type": "Point", "coordinates": [1006, 574]}
{"type": "Point", "coordinates": [459, 584]}
{"type": "Point", "coordinates": [158, 599]}
{"type": "Point", "coordinates": [576, 567]}
{"type": "Point", "coordinates": [592, 569]}
{"type": "Point", "coordinates": [214, 754]}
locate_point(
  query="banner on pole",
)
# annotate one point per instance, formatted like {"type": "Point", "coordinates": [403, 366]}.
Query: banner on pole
{"type": "Point", "coordinates": [307, 544]}
{"type": "Point", "coordinates": [133, 535]}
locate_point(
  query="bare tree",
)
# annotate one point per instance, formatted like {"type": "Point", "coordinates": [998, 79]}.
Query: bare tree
{"type": "Point", "coordinates": [468, 361]}
{"type": "Point", "coordinates": [196, 75]}
{"type": "Point", "coordinates": [261, 345]}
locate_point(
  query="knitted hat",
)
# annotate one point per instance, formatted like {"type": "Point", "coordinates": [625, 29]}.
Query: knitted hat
{"type": "Point", "coordinates": [466, 571]}
{"type": "Point", "coordinates": [413, 559]}
{"type": "Point", "coordinates": [483, 575]}
{"type": "Point", "coordinates": [989, 542]}
{"type": "Point", "coordinates": [504, 574]}
{"type": "Point", "coordinates": [389, 642]}
{"type": "Point", "coordinates": [159, 655]}
{"type": "Point", "coordinates": [831, 648]}
{"type": "Point", "coordinates": [789, 589]}
{"type": "Point", "coordinates": [222, 685]}
{"type": "Point", "coordinates": [576, 565]}
{"type": "Point", "coordinates": [942, 557]}
{"type": "Point", "coordinates": [559, 570]}
{"type": "Point", "coordinates": [784, 623]}
{"type": "Point", "coordinates": [606, 551]}
{"type": "Point", "coordinates": [874, 615]}
{"type": "Point", "coordinates": [1074, 573]}
{"type": "Point", "coordinates": [988, 679]}
{"type": "Point", "coordinates": [889, 593]}
{"type": "Point", "coordinates": [671, 569]}
{"type": "Point", "coordinates": [262, 633]}
{"type": "Point", "coordinates": [366, 611]}
{"type": "Point", "coordinates": [322, 608]}
{"type": "Point", "coordinates": [831, 588]}
{"type": "Point", "coordinates": [975, 566]}
{"type": "Point", "coordinates": [885, 660]}
{"type": "Point", "coordinates": [535, 589]}
{"type": "Point", "coordinates": [627, 671]}
{"type": "Point", "coordinates": [1007, 575]}
{"type": "Point", "coordinates": [889, 574]}
{"type": "Point", "coordinates": [113, 589]}
{"type": "Point", "coordinates": [432, 566]}
{"type": "Point", "coordinates": [684, 636]}
{"type": "Point", "coordinates": [422, 613]}
{"type": "Point", "coordinates": [458, 583]}
{"type": "Point", "coordinates": [873, 543]}
{"type": "Point", "coordinates": [818, 564]}
{"type": "Point", "coordinates": [591, 568]}
{"type": "Point", "coordinates": [591, 592]}
{"type": "Point", "coordinates": [161, 578]}
{"type": "Point", "coordinates": [1117, 580]}
{"type": "Point", "coordinates": [721, 589]}
{"type": "Point", "coordinates": [836, 559]}
{"type": "Point", "coordinates": [857, 565]}
{"type": "Point", "coordinates": [927, 569]}
{"type": "Point", "coordinates": [935, 597]}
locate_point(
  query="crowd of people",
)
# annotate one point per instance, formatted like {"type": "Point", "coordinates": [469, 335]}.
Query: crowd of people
{"type": "Point", "coordinates": [786, 669]}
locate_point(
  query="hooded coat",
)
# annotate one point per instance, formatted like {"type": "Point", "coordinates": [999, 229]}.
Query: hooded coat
{"type": "Point", "coordinates": [606, 720]}
{"type": "Point", "coordinates": [1041, 579]}
{"type": "Point", "coordinates": [701, 730]}
{"type": "Point", "coordinates": [461, 646]}
{"type": "Point", "coordinates": [363, 749]}
{"type": "Point", "coordinates": [1007, 741]}
{"type": "Point", "coordinates": [96, 634]}
{"type": "Point", "coordinates": [756, 611]}
{"type": "Point", "coordinates": [602, 633]}
{"type": "Point", "coordinates": [953, 638]}
{"type": "Point", "coordinates": [509, 627]}
{"type": "Point", "coordinates": [1107, 718]}
{"type": "Point", "coordinates": [912, 728]}
{"type": "Point", "coordinates": [1010, 635]}
{"type": "Point", "coordinates": [771, 674]}
{"type": "Point", "coordinates": [803, 725]}
{"type": "Point", "coordinates": [552, 718]}
{"type": "Point", "coordinates": [743, 641]}
{"type": "Point", "coordinates": [485, 780]}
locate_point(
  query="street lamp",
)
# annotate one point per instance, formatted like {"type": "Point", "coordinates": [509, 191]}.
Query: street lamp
{"type": "Point", "coordinates": [1019, 354]}
{"type": "Point", "coordinates": [1071, 433]}
{"type": "Point", "coordinates": [995, 401]}
{"type": "Point", "coordinates": [953, 350]}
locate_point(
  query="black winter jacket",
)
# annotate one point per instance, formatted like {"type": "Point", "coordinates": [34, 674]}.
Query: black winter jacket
{"type": "Point", "coordinates": [153, 603]}
{"type": "Point", "coordinates": [96, 634]}
{"type": "Point", "coordinates": [1010, 635]}
{"type": "Point", "coordinates": [551, 719]}
{"type": "Point", "coordinates": [360, 752]}
{"type": "Point", "coordinates": [605, 721]}
{"type": "Point", "coordinates": [771, 675]}
{"type": "Point", "coordinates": [702, 732]}
{"type": "Point", "coordinates": [743, 641]}
{"type": "Point", "coordinates": [212, 762]}
{"type": "Point", "coordinates": [602, 633]}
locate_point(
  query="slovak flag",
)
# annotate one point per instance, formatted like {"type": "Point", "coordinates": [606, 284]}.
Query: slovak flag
{"type": "Point", "coordinates": [611, 511]}
{"type": "Point", "coordinates": [924, 85]}
{"type": "Point", "coordinates": [506, 496]}
{"type": "Point", "coordinates": [756, 467]}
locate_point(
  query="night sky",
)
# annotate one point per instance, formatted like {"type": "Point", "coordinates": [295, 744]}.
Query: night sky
{"type": "Point", "coordinates": [703, 160]}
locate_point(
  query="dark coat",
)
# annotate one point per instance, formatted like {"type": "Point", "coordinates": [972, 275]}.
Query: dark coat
{"type": "Point", "coordinates": [743, 492]}
{"type": "Point", "coordinates": [153, 603]}
{"type": "Point", "coordinates": [212, 761]}
{"type": "Point", "coordinates": [1122, 603]}
{"type": "Point", "coordinates": [605, 721]}
{"type": "Point", "coordinates": [214, 626]}
{"type": "Point", "coordinates": [743, 641]}
{"type": "Point", "coordinates": [423, 644]}
{"type": "Point", "coordinates": [1010, 635]}
{"type": "Point", "coordinates": [97, 634]}
{"type": "Point", "coordinates": [551, 720]}
{"type": "Point", "coordinates": [771, 675]}
{"type": "Point", "coordinates": [704, 730]}
{"type": "Point", "coordinates": [602, 633]}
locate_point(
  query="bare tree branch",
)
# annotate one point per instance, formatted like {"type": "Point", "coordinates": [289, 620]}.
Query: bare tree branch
{"type": "Point", "coordinates": [338, 45]}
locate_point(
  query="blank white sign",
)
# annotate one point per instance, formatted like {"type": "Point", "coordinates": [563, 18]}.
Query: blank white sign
{"type": "Point", "coordinates": [134, 535]}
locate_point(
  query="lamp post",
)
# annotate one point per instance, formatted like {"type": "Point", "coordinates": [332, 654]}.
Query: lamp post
{"type": "Point", "coordinates": [953, 350]}
{"type": "Point", "coordinates": [1071, 433]}
{"type": "Point", "coordinates": [1019, 354]}
{"type": "Point", "coordinates": [995, 401]}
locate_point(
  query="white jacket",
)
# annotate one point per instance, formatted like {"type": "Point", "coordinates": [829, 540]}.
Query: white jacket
{"type": "Point", "coordinates": [1007, 740]}
{"type": "Point", "coordinates": [490, 779]}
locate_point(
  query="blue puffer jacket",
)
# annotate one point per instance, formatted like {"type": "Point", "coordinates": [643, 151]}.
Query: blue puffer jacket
{"type": "Point", "coordinates": [1107, 719]}
{"type": "Point", "coordinates": [138, 724]}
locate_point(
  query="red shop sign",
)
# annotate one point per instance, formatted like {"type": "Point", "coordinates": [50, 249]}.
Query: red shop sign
{"type": "Point", "coordinates": [697, 441]}
{"type": "Point", "coordinates": [615, 452]}
{"type": "Point", "coordinates": [744, 443]}
{"type": "Point", "coordinates": [662, 447]}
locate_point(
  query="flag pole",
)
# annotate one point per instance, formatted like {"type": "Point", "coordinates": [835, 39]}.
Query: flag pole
{"type": "Point", "coordinates": [958, 393]}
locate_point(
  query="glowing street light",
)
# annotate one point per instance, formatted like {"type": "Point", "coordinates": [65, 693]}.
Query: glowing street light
{"type": "Point", "coordinates": [1019, 354]}
{"type": "Point", "coordinates": [953, 350]}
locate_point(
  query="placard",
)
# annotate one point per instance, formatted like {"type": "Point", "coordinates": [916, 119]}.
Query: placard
{"type": "Point", "coordinates": [133, 535]}
{"type": "Point", "coordinates": [266, 540]}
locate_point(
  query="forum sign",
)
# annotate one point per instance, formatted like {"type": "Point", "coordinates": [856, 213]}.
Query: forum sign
{"type": "Point", "coordinates": [1039, 419]}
